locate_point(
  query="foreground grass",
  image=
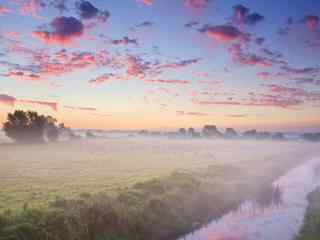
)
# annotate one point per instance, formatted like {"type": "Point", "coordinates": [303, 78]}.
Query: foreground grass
{"type": "Point", "coordinates": [311, 226]}
{"type": "Point", "coordinates": [159, 209]}
{"type": "Point", "coordinates": [37, 174]}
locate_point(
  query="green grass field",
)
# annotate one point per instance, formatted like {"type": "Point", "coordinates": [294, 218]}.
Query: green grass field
{"type": "Point", "coordinates": [36, 174]}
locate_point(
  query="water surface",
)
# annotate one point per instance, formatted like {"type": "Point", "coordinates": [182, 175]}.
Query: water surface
{"type": "Point", "coordinates": [281, 222]}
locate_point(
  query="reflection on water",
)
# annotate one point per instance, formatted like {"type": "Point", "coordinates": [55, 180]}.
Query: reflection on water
{"type": "Point", "coordinates": [253, 222]}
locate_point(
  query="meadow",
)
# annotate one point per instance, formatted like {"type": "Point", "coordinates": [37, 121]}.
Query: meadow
{"type": "Point", "coordinates": [135, 188]}
{"type": "Point", "coordinates": [37, 174]}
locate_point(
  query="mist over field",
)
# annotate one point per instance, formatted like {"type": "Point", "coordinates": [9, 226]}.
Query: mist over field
{"type": "Point", "coordinates": [159, 120]}
{"type": "Point", "coordinates": [36, 173]}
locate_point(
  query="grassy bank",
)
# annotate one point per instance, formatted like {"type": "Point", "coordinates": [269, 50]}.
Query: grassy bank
{"type": "Point", "coordinates": [159, 209]}
{"type": "Point", "coordinates": [311, 226]}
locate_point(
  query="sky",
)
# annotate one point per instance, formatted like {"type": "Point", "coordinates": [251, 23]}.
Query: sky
{"type": "Point", "coordinates": [163, 64]}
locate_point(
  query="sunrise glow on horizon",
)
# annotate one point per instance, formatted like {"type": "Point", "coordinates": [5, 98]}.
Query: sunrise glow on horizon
{"type": "Point", "coordinates": [163, 64]}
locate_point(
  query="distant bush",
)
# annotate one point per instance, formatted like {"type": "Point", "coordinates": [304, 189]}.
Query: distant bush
{"type": "Point", "coordinates": [314, 137]}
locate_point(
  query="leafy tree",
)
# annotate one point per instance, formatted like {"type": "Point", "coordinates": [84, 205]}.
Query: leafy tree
{"type": "Point", "coordinates": [28, 126]}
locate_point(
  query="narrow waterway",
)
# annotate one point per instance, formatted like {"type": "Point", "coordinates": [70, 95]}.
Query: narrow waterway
{"type": "Point", "coordinates": [281, 222]}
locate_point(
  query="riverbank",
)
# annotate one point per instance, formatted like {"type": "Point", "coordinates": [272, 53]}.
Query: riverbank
{"type": "Point", "coordinates": [311, 226]}
{"type": "Point", "coordinates": [281, 220]}
{"type": "Point", "coordinates": [160, 209]}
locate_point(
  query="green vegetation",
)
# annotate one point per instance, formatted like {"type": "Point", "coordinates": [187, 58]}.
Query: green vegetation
{"type": "Point", "coordinates": [164, 208]}
{"type": "Point", "coordinates": [311, 226]}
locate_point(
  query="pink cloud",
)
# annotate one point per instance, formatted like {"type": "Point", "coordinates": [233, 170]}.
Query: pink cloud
{"type": "Point", "coordinates": [239, 56]}
{"type": "Point", "coordinates": [237, 115]}
{"type": "Point", "coordinates": [292, 91]}
{"type": "Point", "coordinates": [223, 33]}
{"type": "Point", "coordinates": [44, 66]}
{"type": "Point", "coordinates": [184, 113]}
{"type": "Point", "coordinates": [125, 41]}
{"type": "Point", "coordinates": [11, 101]}
{"type": "Point", "coordinates": [274, 95]}
{"type": "Point", "coordinates": [101, 79]}
{"type": "Point", "coordinates": [253, 60]}
{"type": "Point", "coordinates": [274, 101]}
{"type": "Point", "coordinates": [21, 75]}
{"type": "Point", "coordinates": [63, 62]}
{"type": "Point", "coordinates": [264, 75]}
{"type": "Point", "coordinates": [52, 105]}
{"type": "Point", "coordinates": [4, 10]}
{"type": "Point", "coordinates": [292, 70]}
{"type": "Point", "coordinates": [312, 22]}
{"type": "Point", "coordinates": [306, 80]}
{"type": "Point", "coordinates": [7, 100]}
{"type": "Point", "coordinates": [88, 11]}
{"type": "Point", "coordinates": [217, 102]}
{"type": "Point", "coordinates": [196, 4]}
{"type": "Point", "coordinates": [208, 82]}
{"type": "Point", "coordinates": [32, 7]}
{"type": "Point", "coordinates": [146, 2]}
{"type": "Point", "coordinates": [101, 114]}
{"type": "Point", "coordinates": [136, 67]}
{"type": "Point", "coordinates": [90, 109]}
{"type": "Point", "coordinates": [242, 15]}
{"type": "Point", "coordinates": [13, 34]}
{"type": "Point", "coordinates": [168, 81]}
{"type": "Point", "coordinates": [87, 109]}
{"type": "Point", "coordinates": [282, 96]}
{"type": "Point", "coordinates": [201, 74]}
{"type": "Point", "coordinates": [180, 64]}
{"type": "Point", "coordinates": [64, 31]}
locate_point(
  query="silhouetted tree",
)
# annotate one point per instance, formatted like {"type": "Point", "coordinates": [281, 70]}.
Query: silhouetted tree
{"type": "Point", "coordinates": [263, 135]}
{"type": "Point", "coordinates": [143, 132]}
{"type": "Point", "coordinates": [52, 132]}
{"type": "Point", "coordinates": [29, 126]}
{"type": "Point", "coordinates": [211, 131]}
{"type": "Point", "coordinates": [278, 136]}
{"type": "Point", "coordinates": [182, 132]}
{"type": "Point", "coordinates": [191, 132]}
{"type": "Point", "coordinates": [230, 133]}
{"type": "Point", "coordinates": [250, 133]}
{"type": "Point", "coordinates": [314, 137]}
{"type": "Point", "coordinates": [90, 134]}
